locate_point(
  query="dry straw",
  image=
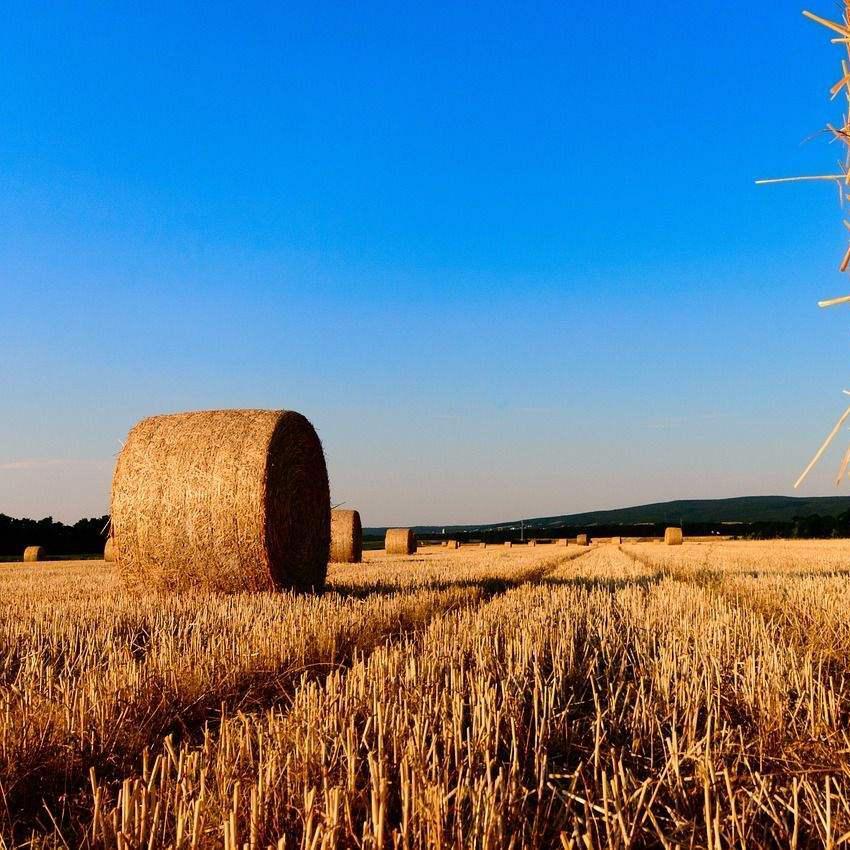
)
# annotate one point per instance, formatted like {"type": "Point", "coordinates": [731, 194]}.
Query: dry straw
{"type": "Point", "coordinates": [346, 537]}
{"type": "Point", "coordinates": [224, 500]}
{"type": "Point", "coordinates": [617, 540]}
{"type": "Point", "coordinates": [110, 550]}
{"type": "Point", "coordinates": [400, 541]}
{"type": "Point", "coordinates": [35, 553]}
{"type": "Point", "coordinates": [452, 544]}
{"type": "Point", "coordinates": [842, 180]}
{"type": "Point", "coordinates": [581, 540]}
{"type": "Point", "coordinates": [673, 536]}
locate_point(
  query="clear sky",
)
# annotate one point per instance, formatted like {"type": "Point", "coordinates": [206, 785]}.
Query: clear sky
{"type": "Point", "coordinates": [509, 259]}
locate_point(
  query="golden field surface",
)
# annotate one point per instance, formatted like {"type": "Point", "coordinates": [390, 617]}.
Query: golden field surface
{"type": "Point", "coordinates": [614, 696]}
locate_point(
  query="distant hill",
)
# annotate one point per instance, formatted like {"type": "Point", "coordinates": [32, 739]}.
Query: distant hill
{"type": "Point", "coordinates": [743, 509]}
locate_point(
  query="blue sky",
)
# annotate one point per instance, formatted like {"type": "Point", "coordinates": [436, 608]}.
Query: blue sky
{"type": "Point", "coordinates": [509, 261]}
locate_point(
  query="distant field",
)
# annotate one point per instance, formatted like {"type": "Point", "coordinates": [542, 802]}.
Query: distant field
{"type": "Point", "coordinates": [633, 695]}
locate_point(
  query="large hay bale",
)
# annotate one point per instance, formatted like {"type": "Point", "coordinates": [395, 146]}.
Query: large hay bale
{"type": "Point", "coordinates": [35, 553]}
{"type": "Point", "coordinates": [673, 536]}
{"type": "Point", "coordinates": [223, 500]}
{"type": "Point", "coordinates": [581, 540]}
{"type": "Point", "coordinates": [110, 550]}
{"type": "Point", "coordinates": [346, 537]}
{"type": "Point", "coordinates": [400, 541]}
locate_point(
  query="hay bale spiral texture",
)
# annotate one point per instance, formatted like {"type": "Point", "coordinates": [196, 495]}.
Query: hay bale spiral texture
{"type": "Point", "coordinates": [673, 536]}
{"type": "Point", "coordinates": [400, 541]}
{"type": "Point", "coordinates": [34, 553]}
{"type": "Point", "coordinates": [346, 537]}
{"type": "Point", "coordinates": [227, 500]}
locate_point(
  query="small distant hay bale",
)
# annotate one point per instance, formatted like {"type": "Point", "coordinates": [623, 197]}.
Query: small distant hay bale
{"type": "Point", "coordinates": [617, 540]}
{"type": "Point", "coordinates": [400, 541]}
{"type": "Point", "coordinates": [34, 553]}
{"type": "Point", "coordinates": [532, 542]}
{"type": "Point", "coordinates": [445, 543]}
{"type": "Point", "coordinates": [452, 544]}
{"type": "Point", "coordinates": [222, 500]}
{"type": "Point", "coordinates": [110, 550]}
{"type": "Point", "coordinates": [561, 541]}
{"type": "Point", "coordinates": [346, 537]}
{"type": "Point", "coordinates": [581, 540]}
{"type": "Point", "coordinates": [482, 545]}
{"type": "Point", "coordinates": [673, 536]}
{"type": "Point", "coordinates": [508, 543]}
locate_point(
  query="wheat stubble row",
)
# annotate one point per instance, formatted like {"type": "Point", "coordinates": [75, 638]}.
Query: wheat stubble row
{"type": "Point", "coordinates": [624, 698]}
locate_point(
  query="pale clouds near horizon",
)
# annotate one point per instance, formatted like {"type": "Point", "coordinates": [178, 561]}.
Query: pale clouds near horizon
{"type": "Point", "coordinates": [64, 488]}
{"type": "Point", "coordinates": [50, 463]}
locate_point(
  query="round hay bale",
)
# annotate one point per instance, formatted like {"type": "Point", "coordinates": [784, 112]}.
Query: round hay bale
{"type": "Point", "coordinates": [346, 537]}
{"type": "Point", "coordinates": [226, 500]}
{"type": "Point", "coordinates": [400, 541]}
{"type": "Point", "coordinates": [581, 540]}
{"type": "Point", "coordinates": [35, 553]}
{"type": "Point", "coordinates": [482, 545]}
{"type": "Point", "coordinates": [445, 543]}
{"type": "Point", "coordinates": [532, 542]}
{"type": "Point", "coordinates": [508, 543]}
{"type": "Point", "coordinates": [617, 540]}
{"type": "Point", "coordinates": [452, 544]}
{"type": "Point", "coordinates": [561, 541]}
{"type": "Point", "coordinates": [673, 536]}
{"type": "Point", "coordinates": [110, 550]}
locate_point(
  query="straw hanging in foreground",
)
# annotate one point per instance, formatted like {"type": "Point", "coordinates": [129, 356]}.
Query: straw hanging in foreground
{"type": "Point", "coordinates": [842, 180]}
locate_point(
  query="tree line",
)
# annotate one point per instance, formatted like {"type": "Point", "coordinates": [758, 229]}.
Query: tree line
{"type": "Point", "coordinates": [813, 526]}
{"type": "Point", "coordinates": [86, 537]}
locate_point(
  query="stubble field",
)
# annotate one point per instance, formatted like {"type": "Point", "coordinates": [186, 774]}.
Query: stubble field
{"type": "Point", "coordinates": [635, 695]}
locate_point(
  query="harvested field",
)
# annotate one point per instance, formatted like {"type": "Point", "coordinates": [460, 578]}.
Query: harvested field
{"type": "Point", "coordinates": [611, 696]}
